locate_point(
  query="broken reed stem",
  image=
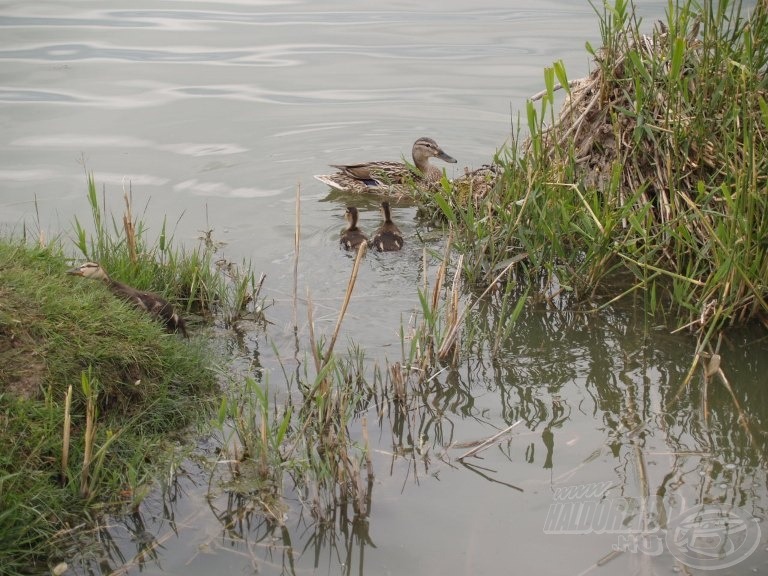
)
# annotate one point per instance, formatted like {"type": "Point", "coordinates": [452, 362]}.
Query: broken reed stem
{"type": "Point", "coordinates": [450, 338]}
{"type": "Point", "coordinates": [440, 271]}
{"type": "Point", "coordinates": [264, 465]}
{"type": "Point", "coordinates": [312, 342]}
{"type": "Point", "coordinates": [367, 445]}
{"type": "Point", "coordinates": [66, 434]}
{"type": "Point", "coordinates": [453, 311]}
{"type": "Point", "coordinates": [398, 384]}
{"type": "Point", "coordinates": [743, 420]}
{"type": "Point", "coordinates": [90, 435]}
{"type": "Point", "coordinates": [130, 229]}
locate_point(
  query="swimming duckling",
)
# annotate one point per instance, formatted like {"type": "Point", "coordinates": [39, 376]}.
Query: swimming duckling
{"type": "Point", "coordinates": [352, 236]}
{"type": "Point", "coordinates": [388, 237]}
{"type": "Point", "coordinates": [157, 306]}
{"type": "Point", "coordinates": [386, 177]}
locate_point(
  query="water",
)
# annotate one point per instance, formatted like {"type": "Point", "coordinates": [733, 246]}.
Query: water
{"type": "Point", "coordinates": [216, 113]}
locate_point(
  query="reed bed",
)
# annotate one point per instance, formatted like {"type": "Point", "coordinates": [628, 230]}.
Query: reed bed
{"type": "Point", "coordinates": [307, 443]}
{"type": "Point", "coordinates": [649, 181]}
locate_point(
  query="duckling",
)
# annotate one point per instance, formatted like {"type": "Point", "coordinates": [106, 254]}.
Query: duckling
{"type": "Point", "coordinates": [476, 184]}
{"type": "Point", "coordinates": [352, 236]}
{"type": "Point", "coordinates": [153, 304]}
{"type": "Point", "coordinates": [390, 177]}
{"type": "Point", "coordinates": [388, 237]}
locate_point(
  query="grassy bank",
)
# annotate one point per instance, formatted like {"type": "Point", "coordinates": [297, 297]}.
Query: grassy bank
{"type": "Point", "coordinates": [95, 394]}
{"type": "Point", "coordinates": [132, 386]}
{"type": "Point", "coordinates": [648, 181]}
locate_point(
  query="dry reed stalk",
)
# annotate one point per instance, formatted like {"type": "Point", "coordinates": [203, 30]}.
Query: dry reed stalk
{"type": "Point", "coordinates": [454, 303]}
{"type": "Point", "coordinates": [450, 338]}
{"type": "Point", "coordinates": [312, 341]}
{"type": "Point", "coordinates": [367, 445]}
{"type": "Point", "coordinates": [347, 297]}
{"type": "Point", "coordinates": [398, 383]}
{"type": "Point", "coordinates": [743, 420]}
{"type": "Point", "coordinates": [90, 435]}
{"type": "Point", "coordinates": [441, 271]}
{"type": "Point", "coordinates": [264, 465]}
{"type": "Point", "coordinates": [452, 312]}
{"type": "Point", "coordinates": [66, 434]}
{"type": "Point", "coordinates": [130, 229]}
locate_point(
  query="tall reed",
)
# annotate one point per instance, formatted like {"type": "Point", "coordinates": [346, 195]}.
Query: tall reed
{"type": "Point", "coordinates": [653, 171]}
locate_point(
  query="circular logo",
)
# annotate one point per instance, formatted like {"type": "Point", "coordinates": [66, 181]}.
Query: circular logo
{"type": "Point", "coordinates": [712, 537]}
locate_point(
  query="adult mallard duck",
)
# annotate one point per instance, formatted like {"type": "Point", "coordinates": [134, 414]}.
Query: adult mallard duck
{"type": "Point", "coordinates": [388, 237]}
{"type": "Point", "coordinates": [155, 305]}
{"type": "Point", "coordinates": [390, 177]}
{"type": "Point", "coordinates": [352, 236]}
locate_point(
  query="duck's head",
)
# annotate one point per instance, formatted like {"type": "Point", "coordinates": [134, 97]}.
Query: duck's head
{"type": "Point", "coordinates": [385, 211]}
{"type": "Point", "coordinates": [351, 216]}
{"type": "Point", "coordinates": [89, 270]}
{"type": "Point", "coordinates": [426, 148]}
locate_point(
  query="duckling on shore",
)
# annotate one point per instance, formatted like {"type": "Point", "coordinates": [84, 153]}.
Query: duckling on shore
{"type": "Point", "coordinates": [352, 236]}
{"type": "Point", "coordinates": [156, 306]}
{"type": "Point", "coordinates": [388, 237]}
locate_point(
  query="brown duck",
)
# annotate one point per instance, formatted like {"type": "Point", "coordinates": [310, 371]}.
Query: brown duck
{"type": "Point", "coordinates": [155, 305]}
{"type": "Point", "coordinates": [352, 236]}
{"type": "Point", "coordinates": [385, 177]}
{"type": "Point", "coordinates": [388, 237]}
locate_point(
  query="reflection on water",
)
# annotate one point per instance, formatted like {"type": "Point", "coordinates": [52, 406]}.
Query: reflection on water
{"type": "Point", "coordinates": [612, 416]}
{"type": "Point", "coordinates": [223, 110]}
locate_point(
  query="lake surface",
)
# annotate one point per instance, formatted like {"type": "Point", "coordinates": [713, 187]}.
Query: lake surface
{"type": "Point", "coordinates": [217, 114]}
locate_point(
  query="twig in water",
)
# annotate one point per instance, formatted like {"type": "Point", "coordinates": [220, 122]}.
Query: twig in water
{"type": "Point", "coordinates": [483, 445]}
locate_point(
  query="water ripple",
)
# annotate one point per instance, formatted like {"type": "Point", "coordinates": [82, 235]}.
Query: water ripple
{"type": "Point", "coordinates": [75, 52]}
{"type": "Point", "coordinates": [151, 94]}
{"type": "Point", "coordinates": [203, 19]}
{"type": "Point", "coordinates": [222, 190]}
{"type": "Point", "coordinates": [115, 141]}
{"type": "Point", "coordinates": [27, 95]}
{"type": "Point", "coordinates": [272, 55]}
{"type": "Point", "coordinates": [27, 175]}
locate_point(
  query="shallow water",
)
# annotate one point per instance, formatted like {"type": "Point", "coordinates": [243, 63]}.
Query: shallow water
{"type": "Point", "coordinates": [215, 113]}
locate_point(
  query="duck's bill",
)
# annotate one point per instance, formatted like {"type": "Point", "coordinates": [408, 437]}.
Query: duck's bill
{"type": "Point", "coordinates": [75, 271]}
{"type": "Point", "coordinates": [445, 158]}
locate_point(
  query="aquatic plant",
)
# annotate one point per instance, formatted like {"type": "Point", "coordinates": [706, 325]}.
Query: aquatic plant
{"type": "Point", "coordinates": [652, 172]}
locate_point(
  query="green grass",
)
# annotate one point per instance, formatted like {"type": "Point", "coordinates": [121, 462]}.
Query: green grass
{"type": "Point", "coordinates": [198, 280]}
{"type": "Point", "coordinates": [94, 393]}
{"type": "Point", "coordinates": [143, 385]}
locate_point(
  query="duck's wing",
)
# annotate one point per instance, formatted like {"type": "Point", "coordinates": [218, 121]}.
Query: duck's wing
{"type": "Point", "coordinates": [387, 240]}
{"type": "Point", "coordinates": [346, 183]}
{"type": "Point", "coordinates": [382, 172]}
{"type": "Point", "coordinates": [352, 239]}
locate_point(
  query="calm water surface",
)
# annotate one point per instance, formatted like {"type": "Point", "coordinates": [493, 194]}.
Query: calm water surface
{"type": "Point", "coordinates": [216, 113]}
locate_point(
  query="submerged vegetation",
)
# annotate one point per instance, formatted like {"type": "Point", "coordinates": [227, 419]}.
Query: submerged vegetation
{"type": "Point", "coordinates": [654, 171]}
